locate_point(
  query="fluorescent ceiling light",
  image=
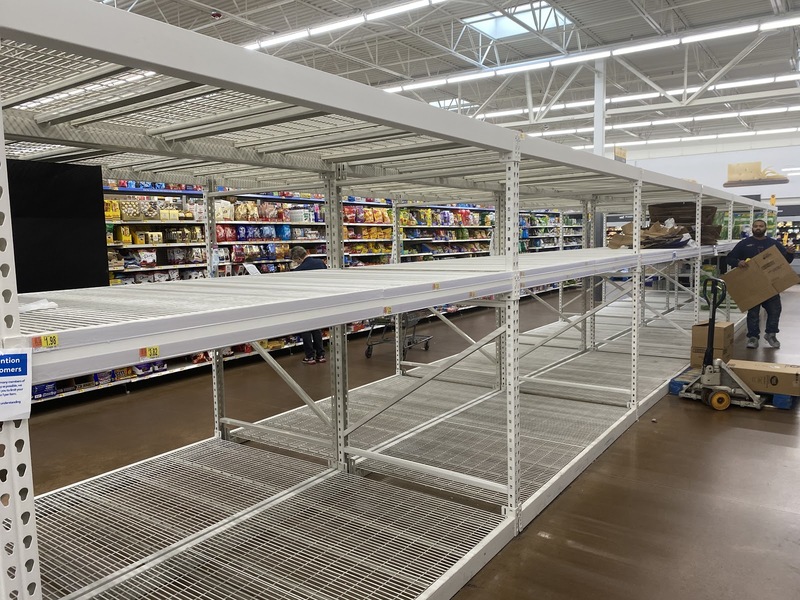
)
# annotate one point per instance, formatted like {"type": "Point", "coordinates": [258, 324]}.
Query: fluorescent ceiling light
{"type": "Point", "coordinates": [793, 108]}
{"type": "Point", "coordinates": [791, 169]}
{"type": "Point", "coordinates": [634, 97]}
{"type": "Point", "coordinates": [698, 138]}
{"type": "Point", "coordinates": [424, 84]}
{"type": "Point", "coordinates": [470, 77]}
{"type": "Point", "coordinates": [282, 39]}
{"type": "Point", "coordinates": [762, 111]}
{"type": "Point", "coordinates": [507, 113]}
{"type": "Point", "coordinates": [537, 134]}
{"type": "Point", "coordinates": [643, 47]}
{"type": "Point", "coordinates": [672, 121]}
{"type": "Point", "coordinates": [631, 125]}
{"type": "Point", "coordinates": [254, 46]}
{"type": "Point", "coordinates": [791, 22]}
{"type": "Point", "coordinates": [579, 104]}
{"type": "Point", "coordinates": [521, 68]}
{"type": "Point", "coordinates": [337, 25]}
{"type": "Point", "coordinates": [713, 35]}
{"type": "Point", "coordinates": [638, 143]}
{"type": "Point", "coordinates": [664, 141]}
{"type": "Point", "coordinates": [745, 83]}
{"type": "Point", "coordinates": [738, 134]}
{"type": "Point", "coordinates": [716, 116]}
{"type": "Point", "coordinates": [689, 90]}
{"type": "Point", "coordinates": [792, 77]}
{"type": "Point", "coordinates": [774, 131]}
{"type": "Point", "coordinates": [393, 90]}
{"type": "Point", "coordinates": [580, 58]}
{"type": "Point", "coordinates": [559, 132]}
{"type": "Point", "coordinates": [792, 174]}
{"type": "Point", "coordinates": [396, 10]}
{"type": "Point", "coordinates": [584, 130]}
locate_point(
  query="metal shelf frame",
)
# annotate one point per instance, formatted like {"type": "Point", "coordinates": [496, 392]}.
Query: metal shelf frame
{"type": "Point", "coordinates": [104, 328]}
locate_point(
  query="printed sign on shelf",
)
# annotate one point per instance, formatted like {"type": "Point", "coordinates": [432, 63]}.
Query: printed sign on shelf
{"type": "Point", "coordinates": [15, 384]}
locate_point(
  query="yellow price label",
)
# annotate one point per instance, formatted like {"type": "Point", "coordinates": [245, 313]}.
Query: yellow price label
{"type": "Point", "coordinates": [46, 341]}
{"type": "Point", "coordinates": [387, 310]}
{"type": "Point", "coordinates": [149, 352]}
{"type": "Point", "coordinates": [473, 294]}
{"type": "Point", "coordinates": [437, 286]}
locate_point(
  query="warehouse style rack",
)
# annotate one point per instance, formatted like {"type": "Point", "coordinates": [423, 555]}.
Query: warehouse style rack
{"type": "Point", "coordinates": [220, 519]}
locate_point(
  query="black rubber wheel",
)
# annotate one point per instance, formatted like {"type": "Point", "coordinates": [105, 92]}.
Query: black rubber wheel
{"type": "Point", "coordinates": [368, 352]}
{"type": "Point", "coordinates": [427, 346]}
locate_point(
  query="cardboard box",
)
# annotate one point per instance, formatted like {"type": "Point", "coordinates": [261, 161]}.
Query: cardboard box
{"type": "Point", "coordinates": [698, 352]}
{"type": "Point", "coordinates": [764, 276]}
{"type": "Point", "coordinates": [768, 378]}
{"type": "Point", "coordinates": [723, 335]}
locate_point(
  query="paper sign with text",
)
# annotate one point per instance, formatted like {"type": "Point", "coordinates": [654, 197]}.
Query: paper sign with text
{"type": "Point", "coordinates": [15, 384]}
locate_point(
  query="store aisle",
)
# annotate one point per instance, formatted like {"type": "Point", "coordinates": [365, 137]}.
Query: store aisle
{"type": "Point", "coordinates": [688, 504]}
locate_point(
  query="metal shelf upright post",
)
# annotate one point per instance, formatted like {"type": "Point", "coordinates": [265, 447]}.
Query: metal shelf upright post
{"type": "Point", "coordinates": [637, 292]}
{"type": "Point", "coordinates": [21, 575]}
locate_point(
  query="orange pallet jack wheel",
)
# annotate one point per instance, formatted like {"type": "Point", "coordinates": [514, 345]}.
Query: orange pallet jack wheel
{"type": "Point", "coordinates": [719, 400]}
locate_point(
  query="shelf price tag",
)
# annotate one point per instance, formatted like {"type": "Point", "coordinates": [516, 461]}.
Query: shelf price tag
{"type": "Point", "coordinates": [387, 310]}
{"type": "Point", "coordinates": [45, 341]}
{"type": "Point", "coordinates": [149, 352]}
{"type": "Point", "coordinates": [437, 286]}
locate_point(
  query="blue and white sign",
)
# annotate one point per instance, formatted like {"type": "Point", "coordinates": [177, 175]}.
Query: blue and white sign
{"type": "Point", "coordinates": [15, 384]}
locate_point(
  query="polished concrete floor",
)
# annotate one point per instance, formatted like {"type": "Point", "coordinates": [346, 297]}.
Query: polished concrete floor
{"type": "Point", "coordinates": [688, 504]}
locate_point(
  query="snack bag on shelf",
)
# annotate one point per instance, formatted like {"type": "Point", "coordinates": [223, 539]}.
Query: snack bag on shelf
{"type": "Point", "coordinates": [253, 232]}
{"type": "Point", "coordinates": [196, 255]}
{"type": "Point", "coordinates": [369, 216]}
{"type": "Point", "coordinates": [160, 276]}
{"type": "Point", "coordinates": [237, 253]}
{"type": "Point", "coordinates": [284, 232]}
{"type": "Point", "coordinates": [176, 256]}
{"type": "Point", "coordinates": [222, 233]}
{"type": "Point", "coordinates": [143, 278]}
{"type": "Point", "coordinates": [268, 211]}
{"type": "Point", "coordinates": [193, 274]}
{"type": "Point", "coordinates": [173, 274]}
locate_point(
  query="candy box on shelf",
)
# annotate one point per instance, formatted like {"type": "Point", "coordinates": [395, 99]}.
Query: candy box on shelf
{"type": "Point", "coordinates": [123, 373]}
{"type": "Point", "coordinates": [41, 391]}
{"type": "Point", "coordinates": [103, 377]}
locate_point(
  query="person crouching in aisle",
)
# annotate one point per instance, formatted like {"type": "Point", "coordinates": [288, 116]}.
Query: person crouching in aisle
{"type": "Point", "coordinates": [748, 248]}
{"type": "Point", "coordinates": [312, 340]}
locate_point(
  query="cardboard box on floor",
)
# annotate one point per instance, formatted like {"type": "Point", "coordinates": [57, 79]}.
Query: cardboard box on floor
{"type": "Point", "coordinates": [764, 276]}
{"type": "Point", "coordinates": [723, 342]}
{"type": "Point", "coordinates": [768, 378]}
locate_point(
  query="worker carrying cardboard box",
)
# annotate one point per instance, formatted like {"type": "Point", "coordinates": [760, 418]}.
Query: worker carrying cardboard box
{"type": "Point", "coordinates": [748, 248]}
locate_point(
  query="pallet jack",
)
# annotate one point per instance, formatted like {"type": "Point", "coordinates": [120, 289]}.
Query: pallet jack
{"type": "Point", "coordinates": [717, 385]}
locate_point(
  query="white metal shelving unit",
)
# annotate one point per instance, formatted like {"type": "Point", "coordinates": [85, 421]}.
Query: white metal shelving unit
{"type": "Point", "coordinates": [326, 532]}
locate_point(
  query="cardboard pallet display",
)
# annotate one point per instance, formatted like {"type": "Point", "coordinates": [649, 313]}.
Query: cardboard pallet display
{"type": "Point", "coordinates": [764, 276]}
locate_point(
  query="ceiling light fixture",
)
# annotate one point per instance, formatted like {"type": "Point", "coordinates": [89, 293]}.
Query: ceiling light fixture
{"type": "Point", "coordinates": [282, 39]}
{"type": "Point", "coordinates": [424, 84]}
{"type": "Point", "coordinates": [634, 97]}
{"type": "Point", "coordinates": [337, 25]}
{"type": "Point", "coordinates": [580, 58]}
{"type": "Point", "coordinates": [713, 35]}
{"type": "Point", "coordinates": [745, 83]}
{"type": "Point", "coordinates": [579, 104]}
{"type": "Point", "coordinates": [672, 121]}
{"type": "Point", "coordinates": [763, 111]}
{"type": "Point", "coordinates": [790, 22]}
{"type": "Point", "coordinates": [737, 134]}
{"type": "Point", "coordinates": [396, 10]}
{"type": "Point", "coordinates": [521, 68]}
{"type": "Point", "coordinates": [393, 90]}
{"type": "Point", "coordinates": [470, 77]}
{"type": "Point", "coordinates": [631, 125]}
{"type": "Point", "coordinates": [643, 47]}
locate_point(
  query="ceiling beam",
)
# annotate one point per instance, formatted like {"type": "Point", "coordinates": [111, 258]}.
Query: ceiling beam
{"type": "Point", "coordinates": [63, 85]}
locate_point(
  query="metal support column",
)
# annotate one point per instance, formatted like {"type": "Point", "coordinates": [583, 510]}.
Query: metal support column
{"type": "Point", "coordinates": [510, 356]}
{"type": "Point", "coordinates": [337, 343]}
{"type": "Point", "coordinates": [636, 294]}
{"type": "Point", "coordinates": [561, 283]}
{"type": "Point", "coordinates": [212, 263]}
{"type": "Point", "coordinates": [20, 576]}
{"type": "Point", "coordinates": [730, 220]}
{"type": "Point", "coordinates": [697, 261]}
{"type": "Point", "coordinates": [589, 331]}
{"type": "Point", "coordinates": [498, 248]}
{"type": "Point", "coordinates": [599, 107]}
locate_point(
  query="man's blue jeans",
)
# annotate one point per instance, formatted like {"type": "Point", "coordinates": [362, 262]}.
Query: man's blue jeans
{"type": "Point", "coordinates": [773, 308]}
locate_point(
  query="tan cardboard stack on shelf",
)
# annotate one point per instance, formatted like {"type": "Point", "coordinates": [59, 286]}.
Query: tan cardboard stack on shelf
{"type": "Point", "coordinates": [723, 342]}
{"type": "Point", "coordinates": [764, 276]}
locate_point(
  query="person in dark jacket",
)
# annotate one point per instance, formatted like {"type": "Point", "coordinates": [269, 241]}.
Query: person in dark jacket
{"type": "Point", "coordinates": [738, 257]}
{"type": "Point", "coordinates": [312, 340]}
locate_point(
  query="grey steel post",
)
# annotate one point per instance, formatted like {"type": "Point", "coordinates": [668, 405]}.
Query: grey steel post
{"type": "Point", "coordinates": [337, 342]}
{"type": "Point", "coordinates": [217, 363]}
{"type": "Point", "coordinates": [510, 356]}
{"type": "Point", "coordinates": [636, 295]}
{"type": "Point", "coordinates": [697, 261]}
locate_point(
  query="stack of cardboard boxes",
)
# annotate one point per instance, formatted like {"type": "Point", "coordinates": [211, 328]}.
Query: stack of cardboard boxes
{"type": "Point", "coordinates": [723, 342]}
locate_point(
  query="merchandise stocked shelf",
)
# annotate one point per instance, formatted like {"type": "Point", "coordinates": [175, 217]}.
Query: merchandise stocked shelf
{"type": "Point", "coordinates": [159, 268]}
{"type": "Point", "coordinates": [446, 226]}
{"type": "Point", "coordinates": [441, 254]}
{"type": "Point", "coordinates": [410, 254]}
{"type": "Point", "coordinates": [362, 240]}
{"type": "Point", "coordinates": [154, 222]}
{"type": "Point", "coordinates": [171, 245]}
{"type": "Point", "coordinates": [274, 241]}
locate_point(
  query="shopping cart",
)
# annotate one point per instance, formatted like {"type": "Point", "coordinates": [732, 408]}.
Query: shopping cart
{"type": "Point", "coordinates": [409, 323]}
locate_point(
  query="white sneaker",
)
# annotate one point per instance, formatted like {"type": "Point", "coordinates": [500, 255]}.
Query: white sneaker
{"type": "Point", "coordinates": [752, 343]}
{"type": "Point", "coordinates": [772, 340]}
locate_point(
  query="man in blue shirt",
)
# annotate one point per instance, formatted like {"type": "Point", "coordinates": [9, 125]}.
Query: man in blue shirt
{"type": "Point", "coordinates": [738, 257]}
{"type": "Point", "coordinates": [312, 340]}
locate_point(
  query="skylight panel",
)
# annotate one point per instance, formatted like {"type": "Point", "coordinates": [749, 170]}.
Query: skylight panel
{"type": "Point", "coordinates": [539, 16]}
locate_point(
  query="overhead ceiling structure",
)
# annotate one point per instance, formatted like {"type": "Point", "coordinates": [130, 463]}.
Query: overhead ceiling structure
{"type": "Point", "coordinates": [675, 72]}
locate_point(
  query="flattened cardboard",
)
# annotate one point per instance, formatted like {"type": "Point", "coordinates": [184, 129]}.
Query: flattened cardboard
{"type": "Point", "coordinates": [764, 276]}
{"type": "Point", "coordinates": [768, 378]}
